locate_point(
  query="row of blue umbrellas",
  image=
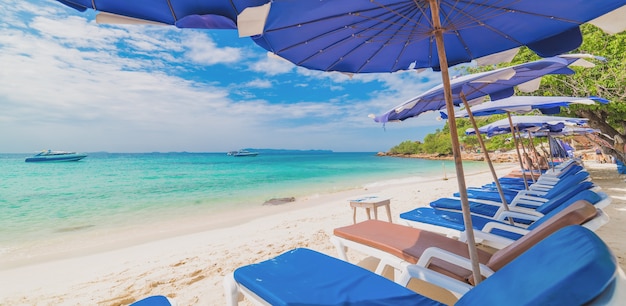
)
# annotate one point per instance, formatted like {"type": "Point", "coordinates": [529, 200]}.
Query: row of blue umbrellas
{"type": "Point", "coordinates": [371, 36]}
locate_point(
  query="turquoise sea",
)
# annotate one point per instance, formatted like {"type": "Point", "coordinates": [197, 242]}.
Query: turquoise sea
{"type": "Point", "coordinates": [43, 202]}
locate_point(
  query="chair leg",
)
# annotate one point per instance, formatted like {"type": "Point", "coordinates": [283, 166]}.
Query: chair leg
{"type": "Point", "coordinates": [231, 290]}
{"type": "Point", "coordinates": [341, 249]}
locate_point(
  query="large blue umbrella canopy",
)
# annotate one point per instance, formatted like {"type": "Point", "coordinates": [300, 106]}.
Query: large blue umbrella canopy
{"type": "Point", "coordinates": [363, 36]}
{"type": "Point", "coordinates": [528, 123]}
{"type": "Point", "coordinates": [525, 104]}
{"type": "Point", "coordinates": [211, 14]}
{"type": "Point", "coordinates": [496, 84]}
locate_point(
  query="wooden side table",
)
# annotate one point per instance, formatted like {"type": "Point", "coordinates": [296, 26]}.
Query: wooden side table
{"type": "Point", "coordinates": [370, 202]}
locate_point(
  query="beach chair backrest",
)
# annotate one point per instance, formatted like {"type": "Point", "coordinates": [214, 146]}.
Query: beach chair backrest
{"type": "Point", "coordinates": [587, 195]}
{"type": "Point", "coordinates": [569, 170]}
{"type": "Point", "coordinates": [566, 183]}
{"type": "Point", "coordinates": [570, 267]}
{"type": "Point", "coordinates": [563, 195]}
{"type": "Point", "coordinates": [575, 214]}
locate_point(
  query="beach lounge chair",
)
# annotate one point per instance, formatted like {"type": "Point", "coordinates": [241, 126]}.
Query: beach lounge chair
{"type": "Point", "coordinates": [511, 189]}
{"type": "Point", "coordinates": [537, 206]}
{"type": "Point", "coordinates": [398, 245]}
{"type": "Point", "coordinates": [525, 198]}
{"type": "Point", "coordinates": [571, 267]}
{"type": "Point", "coordinates": [498, 233]}
{"type": "Point", "coordinates": [155, 300]}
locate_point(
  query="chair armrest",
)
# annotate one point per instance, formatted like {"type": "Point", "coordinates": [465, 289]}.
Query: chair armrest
{"type": "Point", "coordinates": [502, 216]}
{"type": "Point", "coordinates": [530, 192]}
{"type": "Point", "coordinates": [457, 287]}
{"type": "Point", "coordinates": [529, 200]}
{"type": "Point", "coordinates": [433, 252]}
{"type": "Point", "coordinates": [505, 227]}
{"type": "Point", "coordinates": [489, 239]}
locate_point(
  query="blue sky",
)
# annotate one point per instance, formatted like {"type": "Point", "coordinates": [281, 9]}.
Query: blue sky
{"type": "Point", "coordinates": [67, 83]}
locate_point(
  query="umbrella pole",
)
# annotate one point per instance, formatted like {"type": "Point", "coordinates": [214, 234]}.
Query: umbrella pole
{"type": "Point", "coordinates": [550, 149]}
{"type": "Point", "coordinates": [519, 156]}
{"type": "Point", "coordinates": [487, 158]}
{"type": "Point", "coordinates": [456, 150]}
{"type": "Point", "coordinates": [531, 166]}
{"type": "Point", "coordinates": [532, 145]}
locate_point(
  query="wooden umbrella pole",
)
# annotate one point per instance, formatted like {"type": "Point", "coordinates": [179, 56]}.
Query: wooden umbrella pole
{"type": "Point", "coordinates": [532, 146]}
{"type": "Point", "coordinates": [550, 149]}
{"type": "Point", "coordinates": [519, 135]}
{"type": "Point", "coordinates": [519, 156]}
{"type": "Point", "coordinates": [487, 157]}
{"type": "Point", "coordinates": [456, 150]}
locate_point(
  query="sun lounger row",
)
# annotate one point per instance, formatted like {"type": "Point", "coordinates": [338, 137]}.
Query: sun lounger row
{"type": "Point", "coordinates": [492, 220]}
{"type": "Point", "coordinates": [569, 267]}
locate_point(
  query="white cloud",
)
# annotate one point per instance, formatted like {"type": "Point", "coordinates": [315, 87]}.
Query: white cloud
{"type": "Point", "coordinates": [259, 83]}
{"type": "Point", "coordinates": [272, 66]}
{"type": "Point", "coordinates": [203, 50]}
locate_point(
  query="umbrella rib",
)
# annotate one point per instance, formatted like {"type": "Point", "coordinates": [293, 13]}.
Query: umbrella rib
{"type": "Point", "coordinates": [365, 19]}
{"type": "Point", "coordinates": [454, 24]}
{"type": "Point", "coordinates": [169, 4]}
{"type": "Point", "coordinates": [402, 16]}
{"type": "Point", "coordinates": [316, 37]}
{"type": "Point", "coordinates": [390, 38]}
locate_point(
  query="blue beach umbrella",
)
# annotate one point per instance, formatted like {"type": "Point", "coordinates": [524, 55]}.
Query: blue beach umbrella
{"type": "Point", "coordinates": [567, 131]}
{"type": "Point", "coordinates": [497, 84]}
{"type": "Point", "coordinates": [556, 148]}
{"type": "Point", "coordinates": [213, 14]}
{"type": "Point", "coordinates": [528, 124]}
{"type": "Point", "coordinates": [526, 104]}
{"type": "Point", "coordinates": [363, 36]}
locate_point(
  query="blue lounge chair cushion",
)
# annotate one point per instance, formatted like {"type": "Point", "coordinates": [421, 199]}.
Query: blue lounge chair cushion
{"type": "Point", "coordinates": [475, 207]}
{"type": "Point", "coordinates": [493, 195]}
{"type": "Point", "coordinates": [490, 194]}
{"type": "Point", "coordinates": [569, 267]}
{"type": "Point", "coordinates": [587, 195]}
{"type": "Point", "coordinates": [565, 192]}
{"type": "Point", "coordinates": [454, 219]}
{"type": "Point", "coordinates": [449, 219]}
{"type": "Point", "coordinates": [621, 168]}
{"type": "Point", "coordinates": [155, 300]}
{"type": "Point", "coordinates": [306, 277]}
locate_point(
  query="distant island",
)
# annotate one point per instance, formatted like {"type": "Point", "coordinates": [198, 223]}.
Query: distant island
{"type": "Point", "coordinates": [287, 151]}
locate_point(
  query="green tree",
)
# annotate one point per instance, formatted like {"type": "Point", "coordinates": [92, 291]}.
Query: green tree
{"type": "Point", "coordinates": [407, 147]}
{"type": "Point", "coordinates": [606, 80]}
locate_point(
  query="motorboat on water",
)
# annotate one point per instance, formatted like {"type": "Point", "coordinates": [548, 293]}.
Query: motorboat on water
{"type": "Point", "coordinates": [242, 153]}
{"type": "Point", "coordinates": [55, 156]}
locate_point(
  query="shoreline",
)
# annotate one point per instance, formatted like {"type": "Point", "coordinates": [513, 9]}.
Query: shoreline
{"type": "Point", "coordinates": [190, 268]}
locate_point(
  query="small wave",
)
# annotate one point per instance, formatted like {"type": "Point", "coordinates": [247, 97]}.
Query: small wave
{"type": "Point", "coordinates": [73, 228]}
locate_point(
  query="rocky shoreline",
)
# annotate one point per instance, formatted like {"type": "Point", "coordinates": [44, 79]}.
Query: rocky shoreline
{"type": "Point", "coordinates": [496, 157]}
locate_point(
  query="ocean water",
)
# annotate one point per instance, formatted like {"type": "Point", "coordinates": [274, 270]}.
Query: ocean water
{"type": "Point", "coordinates": [44, 202]}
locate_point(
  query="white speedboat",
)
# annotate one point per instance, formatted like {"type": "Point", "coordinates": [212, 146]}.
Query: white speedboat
{"type": "Point", "coordinates": [55, 156]}
{"type": "Point", "coordinates": [243, 153]}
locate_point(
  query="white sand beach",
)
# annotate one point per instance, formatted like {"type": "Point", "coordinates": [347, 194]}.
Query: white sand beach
{"type": "Point", "coordinates": [190, 268]}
